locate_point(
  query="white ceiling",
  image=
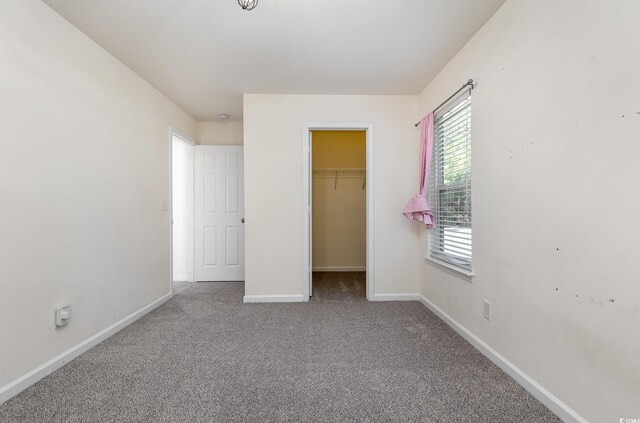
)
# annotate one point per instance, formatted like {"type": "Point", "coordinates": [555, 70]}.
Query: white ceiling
{"type": "Point", "coordinates": [203, 54]}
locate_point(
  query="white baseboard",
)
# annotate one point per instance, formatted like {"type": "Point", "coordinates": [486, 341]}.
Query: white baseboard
{"type": "Point", "coordinates": [396, 297]}
{"type": "Point", "coordinates": [554, 404]}
{"type": "Point", "coordinates": [274, 299]}
{"type": "Point", "coordinates": [181, 278]}
{"type": "Point", "coordinates": [340, 269]}
{"type": "Point", "coordinates": [14, 388]}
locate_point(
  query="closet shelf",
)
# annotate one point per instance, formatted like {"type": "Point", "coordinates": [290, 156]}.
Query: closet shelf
{"type": "Point", "coordinates": [339, 172]}
{"type": "Point", "coordinates": [336, 174]}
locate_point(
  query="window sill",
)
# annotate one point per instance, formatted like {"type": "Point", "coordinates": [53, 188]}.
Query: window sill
{"type": "Point", "coordinates": [451, 269]}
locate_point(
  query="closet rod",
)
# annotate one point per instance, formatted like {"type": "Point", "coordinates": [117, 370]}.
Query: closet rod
{"type": "Point", "coordinates": [340, 171]}
{"type": "Point", "coordinates": [469, 83]}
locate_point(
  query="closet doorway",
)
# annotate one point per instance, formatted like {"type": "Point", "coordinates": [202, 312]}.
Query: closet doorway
{"type": "Point", "coordinates": [338, 188]}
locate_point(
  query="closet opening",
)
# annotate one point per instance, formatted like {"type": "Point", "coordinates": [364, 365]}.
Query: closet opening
{"type": "Point", "coordinates": [338, 215]}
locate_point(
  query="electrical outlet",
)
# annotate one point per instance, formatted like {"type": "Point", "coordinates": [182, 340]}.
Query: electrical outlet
{"type": "Point", "coordinates": [63, 315]}
{"type": "Point", "coordinates": [486, 309]}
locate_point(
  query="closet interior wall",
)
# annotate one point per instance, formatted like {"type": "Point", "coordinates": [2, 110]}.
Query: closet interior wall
{"type": "Point", "coordinates": [339, 200]}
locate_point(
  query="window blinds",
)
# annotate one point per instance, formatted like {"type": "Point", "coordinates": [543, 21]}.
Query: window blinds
{"type": "Point", "coordinates": [450, 184]}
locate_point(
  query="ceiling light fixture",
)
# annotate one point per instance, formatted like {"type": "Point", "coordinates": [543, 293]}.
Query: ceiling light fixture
{"type": "Point", "coordinates": [223, 116]}
{"type": "Point", "coordinates": [248, 4]}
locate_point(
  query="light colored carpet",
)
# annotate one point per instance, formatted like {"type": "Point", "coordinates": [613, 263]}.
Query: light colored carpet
{"type": "Point", "coordinates": [206, 357]}
{"type": "Point", "coordinates": [179, 286]}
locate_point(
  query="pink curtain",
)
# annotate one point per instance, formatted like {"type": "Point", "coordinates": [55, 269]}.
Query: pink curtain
{"type": "Point", "coordinates": [418, 208]}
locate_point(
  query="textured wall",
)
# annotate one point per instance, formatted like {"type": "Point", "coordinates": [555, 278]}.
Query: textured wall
{"type": "Point", "coordinates": [273, 129]}
{"type": "Point", "coordinates": [556, 118]}
{"type": "Point", "coordinates": [84, 168]}
{"type": "Point", "coordinates": [220, 133]}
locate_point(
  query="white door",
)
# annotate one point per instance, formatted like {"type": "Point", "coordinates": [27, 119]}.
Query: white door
{"type": "Point", "coordinates": [219, 213]}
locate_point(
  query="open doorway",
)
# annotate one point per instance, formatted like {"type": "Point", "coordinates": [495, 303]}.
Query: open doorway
{"type": "Point", "coordinates": [182, 187]}
{"type": "Point", "coordinates": [338, 223]}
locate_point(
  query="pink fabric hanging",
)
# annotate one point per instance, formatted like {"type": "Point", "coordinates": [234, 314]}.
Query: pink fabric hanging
{"type": "Point", "coordinates": [418, 208]}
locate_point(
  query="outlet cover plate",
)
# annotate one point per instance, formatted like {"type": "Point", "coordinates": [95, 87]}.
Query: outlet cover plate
{"type": "Point", "coordinates": [486, 309]}
{"type": "Point", "coordinates": [63, 315]}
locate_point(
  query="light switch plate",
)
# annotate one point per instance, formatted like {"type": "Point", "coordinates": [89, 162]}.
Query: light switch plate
{"type": "Point", "coordinates": [164, 205]}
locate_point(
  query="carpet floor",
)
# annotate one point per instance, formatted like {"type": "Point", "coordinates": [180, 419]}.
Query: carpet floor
{"type": "Point", "coordinates": [339, 286]}
{"type": "Point", "coordinates": [206, 357]}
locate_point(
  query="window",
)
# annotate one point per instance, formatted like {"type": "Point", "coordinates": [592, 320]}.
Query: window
{"type": "Point", "coordinates": [450, 184]}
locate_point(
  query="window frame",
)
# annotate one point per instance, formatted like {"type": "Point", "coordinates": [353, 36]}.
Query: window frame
{"type": "Point", "coordinates": [461, 267]}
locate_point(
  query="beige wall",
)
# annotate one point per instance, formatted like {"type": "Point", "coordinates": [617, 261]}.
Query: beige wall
{"type": "Point", "coordinates": [339, 202]}
{"type": "Point", "coordinates": [84, 166]}
{"type": "Point", "coordinates": [220, 133]}
{"type": "Point", "coordinates": [273, 129]}
{"type": "Point", "coordinates": [555, 128]}
{"type": "Point", "coordinates": [339, 150]}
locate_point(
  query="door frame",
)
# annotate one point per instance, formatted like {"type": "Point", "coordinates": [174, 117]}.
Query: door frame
{"type": "Point", "coordinates": [184, 137]}
{"type": "Point", "coordinates": [307, 262]}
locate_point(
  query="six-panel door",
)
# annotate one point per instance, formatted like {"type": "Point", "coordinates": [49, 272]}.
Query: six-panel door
{"type": "Point", "coordinates": [219, 213]}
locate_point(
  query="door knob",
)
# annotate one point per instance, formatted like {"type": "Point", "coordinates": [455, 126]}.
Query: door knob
{"type": "Point", "coordinates": [242, 220]}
